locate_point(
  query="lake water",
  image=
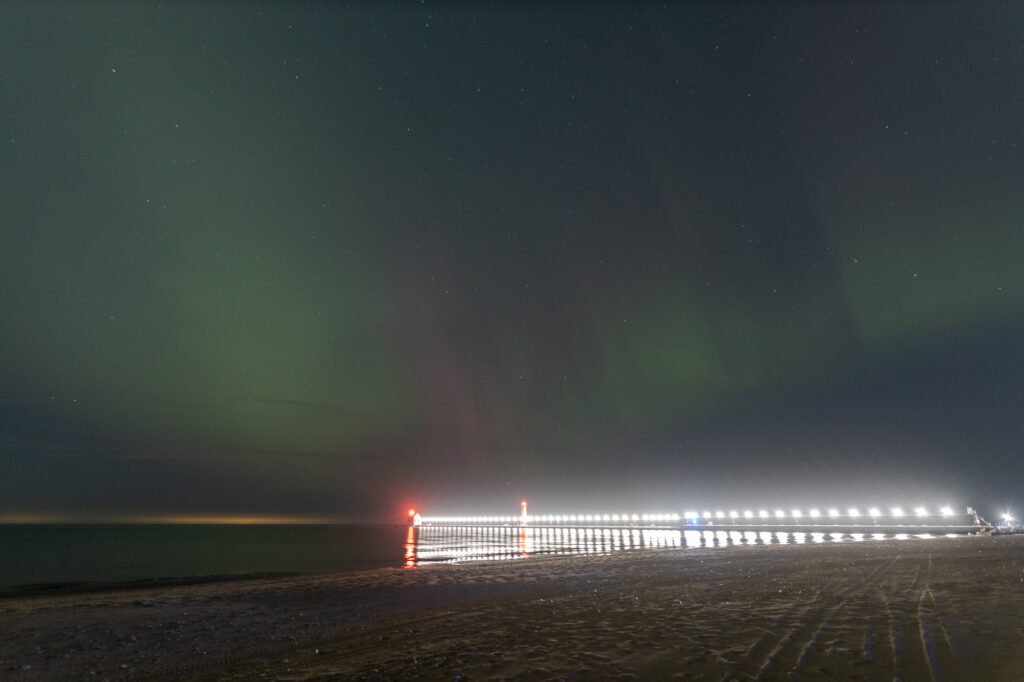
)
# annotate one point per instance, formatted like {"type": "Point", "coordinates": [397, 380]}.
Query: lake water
{"type": "Point", "coordinates": [85, 554]}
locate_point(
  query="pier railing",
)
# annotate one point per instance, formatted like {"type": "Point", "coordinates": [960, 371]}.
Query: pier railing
{"type": "Point", "coordinates": [945, 521]}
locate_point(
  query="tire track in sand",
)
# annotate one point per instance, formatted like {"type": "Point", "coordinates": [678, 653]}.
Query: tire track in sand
{"type": "Point", "coordinates": [939, 658]}
{"type": "Point", "coordinates": [897, 626]}
{"type": "Point", "coordinates": [921, 646]}
{"type": "Point", "coordinates": [788, 652]}
{"type": "Point", "coordinates": [764, 644]}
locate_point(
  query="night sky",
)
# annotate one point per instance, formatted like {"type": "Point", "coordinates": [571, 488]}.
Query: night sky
{"type": "Point", "coordinates": [332, 260]}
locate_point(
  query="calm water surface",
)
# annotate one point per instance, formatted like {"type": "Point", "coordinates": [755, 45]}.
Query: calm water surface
{"type": "Point", "coordinates": [72, 554]}
{"type": "Point", "coordinates": [47, 554]}
{"type": "Point", "coordinates": [434, 544]}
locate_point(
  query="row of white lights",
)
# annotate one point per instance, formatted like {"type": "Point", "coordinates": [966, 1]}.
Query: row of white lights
{"type": "Point", "coordinates": [555, 518]}
{"type": "Point", "coordinates": [852, 512]}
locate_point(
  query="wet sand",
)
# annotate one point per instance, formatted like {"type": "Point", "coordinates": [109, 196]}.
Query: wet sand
{"type": "Point", "coordinates": [937, 609]}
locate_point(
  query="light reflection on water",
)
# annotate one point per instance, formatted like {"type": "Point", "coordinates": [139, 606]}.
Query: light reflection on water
{"type": "Point", "coordinates": [453, 544]}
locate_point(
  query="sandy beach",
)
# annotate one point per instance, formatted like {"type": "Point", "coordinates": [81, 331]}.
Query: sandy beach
{"type": "Point", "coordinates": [936, 609]}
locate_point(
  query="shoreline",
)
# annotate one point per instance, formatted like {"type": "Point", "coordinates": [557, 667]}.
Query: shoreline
{"type": "Point", "coordinates": [949, 608]}
{"type": "Point", "coordinates": [73, 588]}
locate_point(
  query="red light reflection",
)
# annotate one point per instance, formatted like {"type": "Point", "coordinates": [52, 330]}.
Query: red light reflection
{"type": "Point", "coordinates": [410, 547]}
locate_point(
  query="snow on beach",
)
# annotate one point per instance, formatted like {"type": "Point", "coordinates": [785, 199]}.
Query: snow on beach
{"type": "Point", "coordinates": [935, 609]}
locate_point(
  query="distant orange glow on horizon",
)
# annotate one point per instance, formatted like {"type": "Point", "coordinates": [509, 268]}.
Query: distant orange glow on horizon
{"type": "Point", "coordinates": [171, 519]}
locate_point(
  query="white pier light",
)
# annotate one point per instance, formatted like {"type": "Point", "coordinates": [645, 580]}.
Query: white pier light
{"type": "Point", "coordinates": [834, 513]}
{"type": "Point", "coordinates": [874, 512]}
{"type": "Point", "coordinates": [897, 512]}
{"type": "Point", "coordinates": [853, 512]}
{"type": "Point", "coordinates": [719, 514]}
{"type": "Point", "coordinates": [814, 513]}
{"type": "Point", "coordinates": [947, 511]}
{"type": "Point", "coordinates": [748, 514]}
{"type": "Point", "coordinates": [921, 511]}
{"type": "Point", "coordinates": [1008, 517]}
{"type": "Point", "coordinates": [691, 515]}
{"type": "Point", "coordinates": [707, 515]}
{"type": "Point", "coordinates": [779, 514]}
{"type": "Point", "coordinates": [763, 513]}
{"type": "Point", "coordinates": [734, 514]}
{"type": "Point", "coordinates": [797, 514]}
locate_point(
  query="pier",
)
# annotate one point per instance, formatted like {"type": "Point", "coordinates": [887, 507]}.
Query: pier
{"type": "Point", "coordinates": [813, 520]}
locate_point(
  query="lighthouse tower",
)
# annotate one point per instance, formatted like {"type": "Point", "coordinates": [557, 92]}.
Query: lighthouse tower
{"type": "Point", "coordinates": [522, 518]}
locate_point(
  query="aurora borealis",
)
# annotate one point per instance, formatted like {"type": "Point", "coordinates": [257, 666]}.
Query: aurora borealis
{"type": "Point", "coordinates": [331, 260]}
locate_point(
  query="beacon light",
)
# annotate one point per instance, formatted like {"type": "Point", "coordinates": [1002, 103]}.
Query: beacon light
{"type": "Point", "coordinates": [946, 511]}
{"type": "Point", "coordinates": [1008, 517]}
{"type": "Point", "coordinates": [833, 513]}
{"type": "Point", "coordinates": [814, 513]}
{"type": "Point", "coordinates": [897, 512]}
{"type": "Point", "coordinates": [412, 512]}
